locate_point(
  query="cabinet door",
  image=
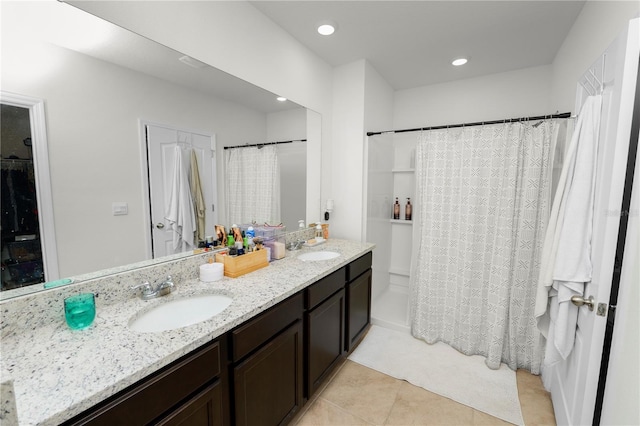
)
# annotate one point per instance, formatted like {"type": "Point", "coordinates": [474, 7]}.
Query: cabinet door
{"type": "Point", "coordinates": [204, 409]}
{"type": "Point", "coordinates": [325, 339]}
{"type": "Point", "coordinates": [358, 309]}
{"type": "Point", "coordinates": [268, 384]}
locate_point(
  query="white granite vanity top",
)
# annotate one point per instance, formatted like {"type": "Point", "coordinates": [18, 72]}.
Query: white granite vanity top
{"type": "Point", "coordinates": [57, 373]}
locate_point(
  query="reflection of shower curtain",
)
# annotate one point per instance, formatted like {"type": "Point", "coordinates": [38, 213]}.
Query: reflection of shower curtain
{"type": "Point", "coordinates": [252, 185]}
{"type": "Point", "coordinates": [483, 198]}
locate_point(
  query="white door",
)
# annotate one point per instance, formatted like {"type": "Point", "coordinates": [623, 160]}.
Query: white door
{"type": "Point", "coordinates": [160, 142]}
{"type": "Point", "coordinates": [574, 381]}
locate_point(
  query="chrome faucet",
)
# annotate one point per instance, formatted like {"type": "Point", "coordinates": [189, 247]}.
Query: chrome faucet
{"type": "Point", "coordinates": [295, 245]}
{"type": "Point", "coordinates": [148, 292]}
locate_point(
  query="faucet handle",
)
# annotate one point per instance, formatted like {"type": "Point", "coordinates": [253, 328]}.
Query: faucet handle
{"type": "Point", "coordinates": [146, 288]}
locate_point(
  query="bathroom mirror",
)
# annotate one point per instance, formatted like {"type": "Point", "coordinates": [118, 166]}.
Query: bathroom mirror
{"type": "Point", "coordinates": [99, 82]}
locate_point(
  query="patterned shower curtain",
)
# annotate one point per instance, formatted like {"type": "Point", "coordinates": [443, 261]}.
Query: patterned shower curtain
{"type": "Point", "coordinates": [483, 198]}
{"type": "Point", "coordinates": [252, 184]}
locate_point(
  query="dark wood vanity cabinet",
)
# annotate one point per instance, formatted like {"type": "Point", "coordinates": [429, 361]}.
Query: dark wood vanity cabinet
{"type": "Point", "coordinates": [358, 291]}
{"type": "Point", "coordinates": [268, 365]}
{"type": "Point", "coordinates": [324, 328]}
{"type": "Point", "coordinates": [190, 391]}
{"type": "Point", "coordinates": [259, 373]}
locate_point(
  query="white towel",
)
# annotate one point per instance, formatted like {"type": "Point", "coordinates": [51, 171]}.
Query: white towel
{"type": "Point", "coordinates": [179, 209]}
{"type": "Point", "coordinates": [566, 261]}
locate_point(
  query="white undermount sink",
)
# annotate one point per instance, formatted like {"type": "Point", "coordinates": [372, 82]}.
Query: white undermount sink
{"type": "Point", "coordinates": [179, 313]}
{"type": "Point", "coordinates": [314, 256]}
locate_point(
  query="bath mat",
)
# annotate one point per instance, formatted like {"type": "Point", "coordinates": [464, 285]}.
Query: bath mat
{"type": "Point", "coordinates": [443, 370]}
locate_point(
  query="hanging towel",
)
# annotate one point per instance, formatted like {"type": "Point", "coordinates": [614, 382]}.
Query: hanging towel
{"type": "Point", "coordinates": [179, 209]}
{"type": "Point", "coordinates": [198, 198]}
{"type": "Point", "coordinates": [566, 255]}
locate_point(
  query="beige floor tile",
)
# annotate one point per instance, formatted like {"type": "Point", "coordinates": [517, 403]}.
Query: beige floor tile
{"type": "Point", "coordinates": [535, 401]}
{"type": "Point", "coordinates": [481, 418]}
{"type": "Point", "coordinates": [417, 406]}
{"type": "Point", "coordinates": [363, 392]}
{"type": "Point", "coordinates": [325, 413]}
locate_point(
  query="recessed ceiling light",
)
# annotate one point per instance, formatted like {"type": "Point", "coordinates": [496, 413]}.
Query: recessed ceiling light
{"type": "Point", "coordinates": [459, 61]}
{"type": "Point", "coordinates": [281, 98]}
{"type": "Point", "coordinates": [327, 28]}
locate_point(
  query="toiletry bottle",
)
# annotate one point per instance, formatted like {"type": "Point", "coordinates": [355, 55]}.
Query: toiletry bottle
{"type": "Point", "coordinates": [396, 210]}
{"type": "Point", "coordinates": [319, 233]}
{"type": "Point", "coordinates": [301, 224]}
{"type": "Point", "coordinates": [407, 210]}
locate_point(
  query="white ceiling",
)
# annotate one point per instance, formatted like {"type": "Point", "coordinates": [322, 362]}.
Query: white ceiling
{"type": "Point", "coordinates": [412, 43]}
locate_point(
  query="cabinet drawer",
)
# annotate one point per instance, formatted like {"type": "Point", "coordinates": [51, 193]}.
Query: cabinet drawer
{"type": "Point", "coordinates": [324, 288]}
{"type": "Point", "coordinates": [153, 396]}
{"type": "Point", "coordinates": [359, 266]}
{"type": "Point", "coordinates": [257, 331]}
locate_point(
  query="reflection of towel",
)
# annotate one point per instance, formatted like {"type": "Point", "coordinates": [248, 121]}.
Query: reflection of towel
{"type": "Point", "coordinates": [566, 261]}
{"type": "Point", "coordinates": [179, 210]}
{"type": "Point", "coordinates": [198, 199]}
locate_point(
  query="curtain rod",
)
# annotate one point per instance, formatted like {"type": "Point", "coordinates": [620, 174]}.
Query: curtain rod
{"type": "Point", "coordinates": [479, 123]}
{"type": "Point", "coordinates": [260, 145]}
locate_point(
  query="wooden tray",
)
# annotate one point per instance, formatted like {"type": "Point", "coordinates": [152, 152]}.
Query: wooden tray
{"type": "Point", "coordinates": [235, 266]}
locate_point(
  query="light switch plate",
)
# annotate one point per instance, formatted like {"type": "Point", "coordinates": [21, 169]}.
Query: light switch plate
{"type": "Point", "coordinates": [120, 208]}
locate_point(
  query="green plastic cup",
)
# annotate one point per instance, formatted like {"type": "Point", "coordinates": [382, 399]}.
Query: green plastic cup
{"type": "Point", "coordinates": [80, 310]}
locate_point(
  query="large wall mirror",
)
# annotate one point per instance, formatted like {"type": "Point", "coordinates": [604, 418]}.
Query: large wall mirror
{"type": "Point", "coordinates": [100, 84]}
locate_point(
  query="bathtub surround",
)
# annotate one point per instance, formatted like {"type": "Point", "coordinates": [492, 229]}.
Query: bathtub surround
{"type": "Point", "coordinates": [443, 370]}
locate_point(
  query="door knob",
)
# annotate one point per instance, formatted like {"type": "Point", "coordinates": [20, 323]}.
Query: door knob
{"type": "Point", "coordinates": [579, 301]}
{"type": "Point", "coordinates": [160, 225]}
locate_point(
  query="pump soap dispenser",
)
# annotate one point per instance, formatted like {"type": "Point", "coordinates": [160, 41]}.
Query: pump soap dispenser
{"type": "Point", "coordinates": [407, 210]}
{"type": "Point", "coordinates": [396, 210]}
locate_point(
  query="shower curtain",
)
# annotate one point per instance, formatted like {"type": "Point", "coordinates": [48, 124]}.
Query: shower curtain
{"type": "Point", "coordinates": [483, 197]}
{"type": "Point", "coordinates": [252, 184]}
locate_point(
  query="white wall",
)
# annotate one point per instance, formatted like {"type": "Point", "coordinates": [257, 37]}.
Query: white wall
{"type": "Point", "coordinates": [292, 157]}
{"type": "Point", "coordinates": [347, 149]}
{"type": "Point", "coordinates": [92, 113]}
{"type": "Point", "coordinates": [598, 24]}
{"type": "Point", "coordinates": [287, 125]}
{"type": "Point", "coordinates": [511, 94]}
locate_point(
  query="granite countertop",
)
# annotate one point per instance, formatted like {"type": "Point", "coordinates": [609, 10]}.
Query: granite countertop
{"type": "Point", "coordinates": [57, 373]}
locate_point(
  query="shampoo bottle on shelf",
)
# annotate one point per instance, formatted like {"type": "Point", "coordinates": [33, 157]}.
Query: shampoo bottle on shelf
{"type": "Point", "coordinates": [396, 210]}
{"type": "Point", "coordinates": [407, 210]}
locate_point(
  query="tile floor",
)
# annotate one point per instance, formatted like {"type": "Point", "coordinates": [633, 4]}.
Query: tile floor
{"type": "Point", "coordinates": [357, 395]}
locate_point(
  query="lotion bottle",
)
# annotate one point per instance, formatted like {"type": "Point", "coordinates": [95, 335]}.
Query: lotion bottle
{"type": "Point", "coordinates": [407, 210]}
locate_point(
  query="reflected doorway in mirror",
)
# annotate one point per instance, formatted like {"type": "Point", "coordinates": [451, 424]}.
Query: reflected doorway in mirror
{"type": "Point", "coordinates": [160, 142]}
